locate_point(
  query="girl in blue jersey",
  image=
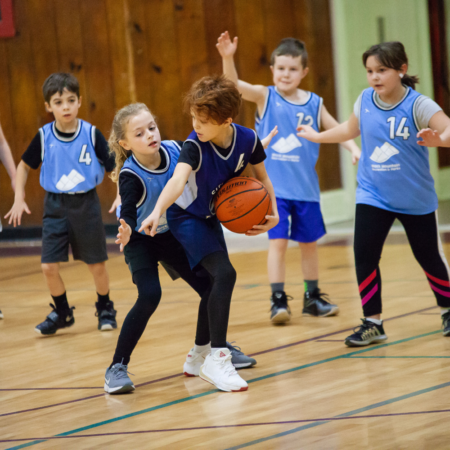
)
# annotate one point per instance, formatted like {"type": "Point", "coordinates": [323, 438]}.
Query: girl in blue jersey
{"type": "Point", "coordinates": [144, 165]}
{"type": "Point", "coordinates": [216, 151]}
{"type": "Point", "coordinates": [396, 125]}
{"type": "Point", "coordinates": [291, 167]}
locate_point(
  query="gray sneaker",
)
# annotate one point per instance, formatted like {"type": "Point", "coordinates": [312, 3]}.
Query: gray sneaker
{"type": "Point", "coordinates": [117, 380]}
{"type": "Point", "coordinates": [238, 359]}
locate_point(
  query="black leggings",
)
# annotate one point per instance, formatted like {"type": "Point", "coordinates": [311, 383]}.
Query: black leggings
{"type": "Point", "coordinates": [372, 226]}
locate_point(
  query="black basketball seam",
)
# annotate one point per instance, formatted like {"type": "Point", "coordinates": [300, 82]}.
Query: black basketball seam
{"type": "Point", "coordinates": [239, 193]}
{"type": "Point", "coordinates": [247, 211]}
{"type": "Point", "coordinates": [267, 213]}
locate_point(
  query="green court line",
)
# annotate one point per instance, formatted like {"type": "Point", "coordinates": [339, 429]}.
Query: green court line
{"type": "Point", "coordinates": [204, 394]}
{"type": "Point", "coordinates": [357, 357]}
{"type": "Point", "coordinates": [347, 414]}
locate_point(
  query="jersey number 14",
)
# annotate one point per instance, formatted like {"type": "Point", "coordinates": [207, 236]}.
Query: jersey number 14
{"type": "Point", "coordinates": [402, 131]}
{"type": "Point", "coordinates": [85, 157]}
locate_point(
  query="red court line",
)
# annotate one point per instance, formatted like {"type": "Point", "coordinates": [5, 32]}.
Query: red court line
{"type": "Point", "coordinates": [177, 375]}
{"type": "Point", "coordinates": [284, 422]}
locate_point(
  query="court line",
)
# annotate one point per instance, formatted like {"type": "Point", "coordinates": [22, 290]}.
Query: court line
{"type": "Point", "coordinates": [358, 357]}
{"type": "Point", "coordinates": [347, 414]}
{"type": "Point", "coordinates": [203, 394]}
{"type": "Point", "coordinates": [239, 425]}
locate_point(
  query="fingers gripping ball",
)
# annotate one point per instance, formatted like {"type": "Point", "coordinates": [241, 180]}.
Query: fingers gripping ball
{"type": "Point", "coordinates": [241, 203]}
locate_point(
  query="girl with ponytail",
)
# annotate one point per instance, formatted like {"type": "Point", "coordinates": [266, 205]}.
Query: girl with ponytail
{"type": "Point", "coordinates": [396, 125]}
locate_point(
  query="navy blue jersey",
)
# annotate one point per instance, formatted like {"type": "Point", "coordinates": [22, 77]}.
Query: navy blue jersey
{"type": "Point", "coordinates": [153, 182]}
{"type": "Point", "coordinates": [394, 171]}
{"type": "Point", "coordinates": [214, 170]}
{"type": "Point", "coordinates": [69, 164]}
{"type": "Point", "coordinates": [291, 161]}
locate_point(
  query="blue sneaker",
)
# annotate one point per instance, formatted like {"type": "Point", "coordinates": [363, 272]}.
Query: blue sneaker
{"type": "Point", "coordinates": [238, 359]}
{"type": "Point", "coordinates": [117, 380]}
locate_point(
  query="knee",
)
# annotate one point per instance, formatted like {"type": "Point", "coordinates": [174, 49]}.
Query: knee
{"type": "Point", "coordinates": [50, 270]}
{"type": "Point", "coordinates": [228, 275]}
{"type": "Point", "coordinates": [98, 268]}
{"type": "Point", "coordinates": [149, 299]}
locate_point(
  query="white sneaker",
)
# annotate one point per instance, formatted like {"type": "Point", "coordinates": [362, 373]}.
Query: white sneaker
{"type": "Point", "coordinates": [194, 361]}
{"type": "Point", "coordinates": [219, 371]}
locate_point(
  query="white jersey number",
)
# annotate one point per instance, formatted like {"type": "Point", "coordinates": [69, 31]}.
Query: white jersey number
{"type": "Point", "coordinates": [308, 119]}
{"type": "Point", "coordinates": [402, 131]}
{"type": "Point", "coordinates": [85, 157]}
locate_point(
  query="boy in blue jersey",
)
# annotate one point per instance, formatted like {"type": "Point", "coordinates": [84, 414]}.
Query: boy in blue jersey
{"type": "Point", "coordinates": [216, 151]}
{"type": "Point", "coordinates": [290, 164]}
{"type": "Point", "coordinates": [74, 156]}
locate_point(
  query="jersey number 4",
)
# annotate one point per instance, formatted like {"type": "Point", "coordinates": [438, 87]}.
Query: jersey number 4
{"type": "Point", "coordinates": [402, 131]}
{"type": "Point", "coordinates": [85, 157]}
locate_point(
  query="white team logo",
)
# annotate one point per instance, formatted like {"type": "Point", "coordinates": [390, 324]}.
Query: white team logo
{"type": "Point", "coordinates": [366, 110]}
{"type": "Point", "coordinates": [68, 182]}
{"type": "Point", "coordinates": [380, 155]}
{"type": "Point", "coordinates": [278, 104]}
{"type": "Point", "coordinates": [240, 163]}
{"type": "Point", "coordinates": [286, 145]}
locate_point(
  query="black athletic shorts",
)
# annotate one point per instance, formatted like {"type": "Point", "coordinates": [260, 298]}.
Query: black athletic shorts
{"type": "Point", "coordinates": [75, 220]}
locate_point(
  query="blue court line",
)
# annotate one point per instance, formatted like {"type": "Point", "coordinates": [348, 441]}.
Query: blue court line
{"type": "Point", "coordinates": [193, 397]}
{"type": "Point", "coordinates": [347, 414]}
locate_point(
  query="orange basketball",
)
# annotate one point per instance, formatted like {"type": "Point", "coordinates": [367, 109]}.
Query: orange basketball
{"type": "Point", "coordinates": [241, 203]}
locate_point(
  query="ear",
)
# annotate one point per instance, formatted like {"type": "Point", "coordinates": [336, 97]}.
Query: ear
{"type": "Point", "coordinates": [124, 144]}
{"type": "Point", "coordinates": [48, 108]}
{"type": "Point", "coordinates": [79, 101]}
{"type": "Point", "coordinates": [305, 72]}
{"type": "Point", "coordinates": [271, 68]}
{"type": "Point", "coordinates": [228, 121]}
{"type": "Point", "coordinates": [403, 69]}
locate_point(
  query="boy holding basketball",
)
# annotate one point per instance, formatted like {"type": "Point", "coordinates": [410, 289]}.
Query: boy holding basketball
{"type": "Point", "coordinates": [74, 157]}
{"type": "Point", "coordinates": [216, 151]}
{"type": "Point", "coordinates": [291, 166]}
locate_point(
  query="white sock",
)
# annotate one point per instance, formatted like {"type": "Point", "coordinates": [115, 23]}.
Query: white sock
{"type": "Point", "coordinates": [377, 321]}
{"type": "Point", "coordinates": [202, 348]}
{"type": "Point", "coordinates": [214, 349]}
{"type": "Point", "coordinates": [444, 311]}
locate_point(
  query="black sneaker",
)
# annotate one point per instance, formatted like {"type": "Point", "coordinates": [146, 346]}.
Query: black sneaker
{"type": "Point", "coordinates": [56, 320]}
{"type": "Point", "coordinates": [1, 315]}
{"type": "Point", "coordinates": [446, 324]}
{"type": "Point", "coordinates": [314, 304]}
{"type": "Point", "coordinates": [106, 316]}
{"type": "Point", "coordinates": [280, 311]}
{"type": "Point", "coordinates": [367, 333]}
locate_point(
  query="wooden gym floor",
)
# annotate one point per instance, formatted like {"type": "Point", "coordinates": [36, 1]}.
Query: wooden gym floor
{"type": "Point", "coordinates": [307, 391]}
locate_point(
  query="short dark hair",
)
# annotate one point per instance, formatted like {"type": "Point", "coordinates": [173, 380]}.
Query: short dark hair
{"type": "Point", "coordinates": [291, 47]}
{"type": "Point", "coordinates": [59, 81]}
{"type": "Point", "coordinates": [391, 55]}
{"type": "Point", "coordinates": [215, 97]}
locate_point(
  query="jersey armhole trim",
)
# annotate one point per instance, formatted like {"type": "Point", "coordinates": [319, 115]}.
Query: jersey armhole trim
{"type": "Point", "coordinates": [41, 132]}
{"type": "Point", "coordinates": [266, 102]}
{"type": "Point", "coordinates": [199, 152]}
{"type": "Point", "coordinates": [414, 113]}
{"type": "Point", "coordinates": [256, 141]}
{"type": "Point", "coordinates": [144, 195]}
{"type": "Point", "coordinates": [177, 145]}
{"type": "Point", "coordinates": [319, 113]}
{"type": "Point", "coordinates": [93, 135]}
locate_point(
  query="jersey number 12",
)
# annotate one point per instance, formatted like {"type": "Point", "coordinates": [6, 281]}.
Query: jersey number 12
{"type": "Point", "coordinates": [85, 157]}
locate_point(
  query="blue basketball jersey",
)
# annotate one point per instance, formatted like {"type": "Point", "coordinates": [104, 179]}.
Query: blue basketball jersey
{"type": "Point", "coordinates": [291, 161]}
{"type": "Point", "coordinates": [394, 171]}
{"type": "Point", "coordinates": [214, 170]}
{"type": "Point", "coordinates": [69, 165]}
{"type": "Point", "coordinates": [153, 182]}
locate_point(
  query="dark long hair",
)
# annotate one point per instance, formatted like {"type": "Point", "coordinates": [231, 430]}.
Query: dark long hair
{"type": "Point", "coordinates": [392, 55]}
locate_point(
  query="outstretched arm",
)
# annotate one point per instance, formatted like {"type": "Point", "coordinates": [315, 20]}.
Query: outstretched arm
{"type": "Point", "coordinates": [15, 214]}
{"type": "Point", "coordinates": [329, 122]}
{"type": "Point", "coordinates": [438, 133]}
{"type": "Point", "coordinates": [251, 92]}
{"type": "Point", "coordinates": [7, 159]}
{"type": "Point", "coordinates": [173, 189]}
{"type": "Point", "coordinates": [343, 132]}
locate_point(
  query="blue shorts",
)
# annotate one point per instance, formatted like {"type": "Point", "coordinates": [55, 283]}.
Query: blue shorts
{"type": "Point", "coordinates": [306, 221]}
{"type": "Point", "coordinates": [199, 237]}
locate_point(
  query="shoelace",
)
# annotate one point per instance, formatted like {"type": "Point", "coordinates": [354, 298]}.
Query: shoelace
{"type": "Point", "coordinates": [228, 366]}
{"type": "Point", "coordinates": [323, 298]}
{"type": "Point", "coordinates": [276, 303]}
{"type": "Point", "coordinates": [365, 326]}
{"type": "Point", "coordinates": [120, 370]}
{"type": "Point", "coordinates": [234, 348]}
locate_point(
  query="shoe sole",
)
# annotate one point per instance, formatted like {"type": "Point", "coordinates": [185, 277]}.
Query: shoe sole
{"type": "Point", "coordinates": [446, 333]}
{"type": "Point", "coordinates": [119, 390]}
{"type": "Point", "coordinates": [243, 365]}
{"type": "Point", "coordinates": [381, 338]}
{"type": "Point", "coordinates": [281, 317]}
{"type": "Point", "coordinates": [333, 312]}
{"type": "Point", "coordinates": [221, 388]}
{"type": "Point", "coordinates": [107, 327]}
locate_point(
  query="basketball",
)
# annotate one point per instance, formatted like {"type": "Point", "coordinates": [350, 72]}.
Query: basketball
{"type": "Point", "coordinates": [241, 203]}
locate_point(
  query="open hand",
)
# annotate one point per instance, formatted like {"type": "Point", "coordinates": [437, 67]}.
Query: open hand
{"type": "Point", "coordinates": [224, 45]}
{"type": "Point", "coordinates": [123, 237]}
{"type": "Point", "coordinates": [430, 138]}
{"type": "Point", "coordinates": [259, 229]}
{"type": "Point", "coordinates": [266, 141]}
{"type": "Point", "coordinates": [307, 132]}
{"type": "Point", "coordinates": [15, 213]}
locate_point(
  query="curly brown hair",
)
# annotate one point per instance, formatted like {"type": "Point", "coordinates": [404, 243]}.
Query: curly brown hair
{"type": "Point", "coordinates": [214, 97]}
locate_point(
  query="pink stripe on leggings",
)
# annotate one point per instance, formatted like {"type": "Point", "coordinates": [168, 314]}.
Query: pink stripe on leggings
{"type": "Point", "coordinates": [367, 281]}
{"type": "Point", "coordinates": [439, 291]}
{"type": "Point", "coordinates": [371, 293]}
{"type": "Point", "coordinates": [437, 280]}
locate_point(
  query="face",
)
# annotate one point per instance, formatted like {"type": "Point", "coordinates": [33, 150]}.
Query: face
{"type": "Point", "coordinates": [64, 106]}
{"type": "Point", "coordinates": [288, 72]}
{"type": "Point", "coordinates": [206, 128]}
{"type": "Point", "coordinates": [382, 79]}
{"type": "Point", "coordinates": [142, 135]}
